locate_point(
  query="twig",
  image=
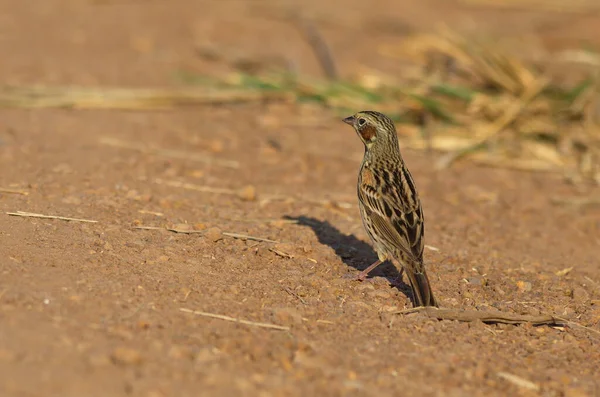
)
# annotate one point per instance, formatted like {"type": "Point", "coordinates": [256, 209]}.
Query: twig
{"type": "Point", "coordinates": [488, 317]}
{"type": "Point", "coordinates": [181, 231]}
{"type": "Point", "coordinates": [432, 248]}
{"type": "Point", "coordinates": [235, 320]}
{"type": "Point", "coordinates": [62, 218]}
{"type": "Point", "coordinates": [295, 295]}
{"type": "Point", "coordinates": [13, 191]}
{"type": "Point", "coordinates": [155, 213]}
{"type": "Point", "coordinates": [171, 153]}
{"type": "Point", "coordinates": [320, 48]}
{"type": "Point", "coordinates": [575, 201]}
{"type": "Point", "coordinates": [518, 381]}
{"type": "Point", "coordinates": [228, 234]}
{"type": "Point", "coordinates": [281, 254]}
{"type": "Point", "coordinates": [247, 237]}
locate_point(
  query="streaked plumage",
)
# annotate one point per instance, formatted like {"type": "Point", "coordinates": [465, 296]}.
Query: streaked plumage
{"type": "Point", "coordinates": [389, 204]}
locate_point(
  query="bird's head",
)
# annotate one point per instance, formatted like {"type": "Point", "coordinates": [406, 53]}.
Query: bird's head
{"type": "Point", "coordinates": [373, 128]}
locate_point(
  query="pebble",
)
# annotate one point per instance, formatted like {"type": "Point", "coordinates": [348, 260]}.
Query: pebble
{"type": "Point", "coordinates": [247, 193]}
{"type": "Point", "coordinates": [126, 356]}
{"type": "Point", "coordinates": [475, 281]}
{"type": "Point", "coordinates": [213, 234]}
{"type": "Point", "coordinates": [524, 286]}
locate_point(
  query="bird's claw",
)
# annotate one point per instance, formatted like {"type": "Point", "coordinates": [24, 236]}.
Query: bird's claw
{"type": "Point", "coordinates": [355, 277]}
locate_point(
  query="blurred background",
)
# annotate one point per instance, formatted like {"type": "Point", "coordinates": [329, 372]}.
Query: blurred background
{"type": "Point", "coordinates": [508, 83]}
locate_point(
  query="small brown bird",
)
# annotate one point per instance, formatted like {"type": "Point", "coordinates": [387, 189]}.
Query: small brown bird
{"type": "Point", "coordinates": [389, 204]}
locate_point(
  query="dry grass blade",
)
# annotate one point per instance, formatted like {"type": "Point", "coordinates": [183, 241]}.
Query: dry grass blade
{"type": "Point", "coordinates": [177, 154]}
{"type": "Point", "coordinates": [518, 381]}
{"type": "Point", "coordinates": [122, 98]}
{"type": "Point", "coordinates": [577, 6]}
{"type": "Point", "coordinates": [576, 201]}
{"type": "Point", "coordinates": [191, 231]}
{"type": "Point", "coordinates": [236, 320]}
{"type": "Point", "coordinates": [281, 253]}
{"type": "Point", "coordinates": [487, 316]}
{"type": "Point", "coordinates": [491, 130]}
{"type": "Point", "coordinates": [42, 216]}
{"type": "Point", "coordinates": [13, 191]}
{"type": "Point", "coordinates": [174, 230]}
{"type": "Point", "coordinates": [247, 237]}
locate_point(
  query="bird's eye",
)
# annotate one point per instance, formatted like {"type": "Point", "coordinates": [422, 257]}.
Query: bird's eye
{"type": "Point", "coordinates": [361, 121]}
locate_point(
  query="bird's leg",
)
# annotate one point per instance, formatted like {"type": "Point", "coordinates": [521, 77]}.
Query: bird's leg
{"type": "Point", "coordinates": [363, 275]}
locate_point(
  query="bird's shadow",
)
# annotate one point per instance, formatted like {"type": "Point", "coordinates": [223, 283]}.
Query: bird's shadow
{"type": "Point", "coordinates": [353, 252]}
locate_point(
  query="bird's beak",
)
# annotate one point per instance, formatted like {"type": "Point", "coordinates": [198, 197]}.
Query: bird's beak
{"type": "Point", "coordinates": [349, 120]}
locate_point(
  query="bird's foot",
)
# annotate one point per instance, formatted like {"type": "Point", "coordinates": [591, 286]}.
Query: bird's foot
{"type": "Point", "coordinates": [362, 276]}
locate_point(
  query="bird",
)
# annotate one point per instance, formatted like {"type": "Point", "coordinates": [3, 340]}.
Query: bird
{"type": "Point", "coordinates": [389, 203]}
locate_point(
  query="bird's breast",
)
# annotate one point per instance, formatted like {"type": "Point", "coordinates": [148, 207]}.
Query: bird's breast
{"type": "Point", "coordinates": [367, 177]}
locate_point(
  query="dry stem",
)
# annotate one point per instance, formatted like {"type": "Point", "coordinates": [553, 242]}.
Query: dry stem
{"type": "Point", "coordinates": [13, 191]}
{"type": "Point", "coordinates": [236, 320]}
{"type": "Point", "coordinates": [487, 316]}
{"type": "Point", "coordinates": [62, 218]}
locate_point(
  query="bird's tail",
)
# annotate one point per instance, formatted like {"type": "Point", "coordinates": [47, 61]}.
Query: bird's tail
{"type": "Point", "coordinates": [421, 288]}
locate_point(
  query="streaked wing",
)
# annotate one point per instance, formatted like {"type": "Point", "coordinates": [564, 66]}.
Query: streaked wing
{"type": "Point", "coordinates": [395, 213]}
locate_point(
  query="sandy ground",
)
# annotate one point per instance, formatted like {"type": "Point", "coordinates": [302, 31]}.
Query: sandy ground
{"type": "Point", "coordinates": [94, 309]}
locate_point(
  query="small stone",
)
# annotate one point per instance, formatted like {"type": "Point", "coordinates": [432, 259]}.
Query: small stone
{"type": "Point", "coordinates": [524, 286]}
{"type": "Point", "coordinates": [247, 193]}
{"type": "Point", "coordinates": [184, 227]}
{"type": "Point", "coordinates": [200, 226]}
{"type": "Point", "coordinates": [197, 174]}
{"type": "Point", "coordinates": [216, 146]}
{"type": "Point", "coordinates": [126, 356]}
{"type": "Point", "coordinates": [475, 281]}
{"type": "Point", "coordinates": [214, 234]}
{"type": "Point", "coordinates": [143, 324]}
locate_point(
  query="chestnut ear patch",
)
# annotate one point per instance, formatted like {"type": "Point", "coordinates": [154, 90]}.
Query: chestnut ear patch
{"type": "Point", "coordinates": [368, 133]}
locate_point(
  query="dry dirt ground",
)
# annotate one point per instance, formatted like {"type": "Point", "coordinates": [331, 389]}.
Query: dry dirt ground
{"type": "Point", "coordinates": [94, 309]}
